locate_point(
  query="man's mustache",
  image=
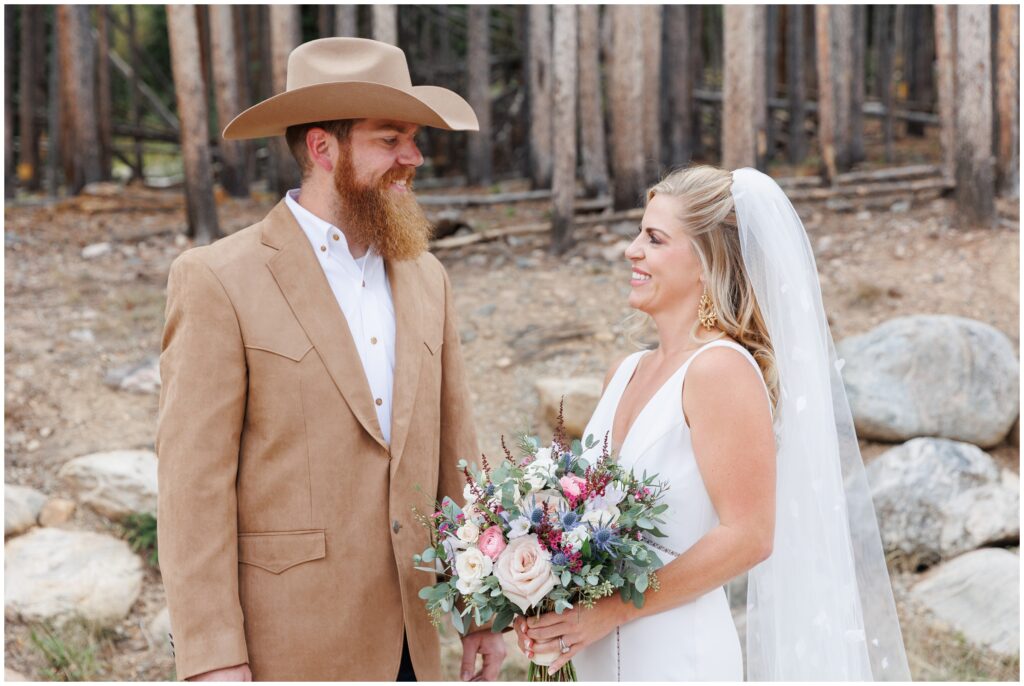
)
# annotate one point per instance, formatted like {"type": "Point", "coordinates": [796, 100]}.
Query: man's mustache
{"type": "Point", "coordinates": [406, 174]}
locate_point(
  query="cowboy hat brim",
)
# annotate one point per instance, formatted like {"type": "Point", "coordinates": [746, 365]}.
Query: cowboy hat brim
{"type": "Point", "coordinates": [424, 105]}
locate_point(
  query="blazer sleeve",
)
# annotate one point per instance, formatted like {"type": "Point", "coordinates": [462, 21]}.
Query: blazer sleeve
{"type": "Point", "coordinates": [458, 435]}
{"type": "Point", "coordinates": [202, 406]}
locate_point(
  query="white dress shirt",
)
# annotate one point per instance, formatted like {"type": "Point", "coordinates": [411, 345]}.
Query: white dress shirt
{"type": "Point", "coordinates": [364, 295]}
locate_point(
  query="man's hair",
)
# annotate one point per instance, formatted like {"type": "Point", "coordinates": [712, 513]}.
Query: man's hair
{"type": "Point", "coordinates": [296, 138]}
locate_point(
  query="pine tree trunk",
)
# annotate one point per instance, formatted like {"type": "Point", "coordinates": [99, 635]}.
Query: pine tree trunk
{"type": "Point", "coordinates": [651, 18]}
{"type": "Point", "coordinates": [740, 83]}
{"type": "Point", "coordinates": [243, 59]}
{"type": "Point", "coordinates": [66, 59]}
{"type": "Point", "coordinates": [842, 20]}
{"type": "Point", "coordinates": [233, 172]}
{"type": "Point", "coordinates": [975, 173]}
{"type": "Point", "coordinates": [796, 85]}
{"type": "Point", "coordinates": [771, 62]}
{"type": "Point", "coordinates": [346, 21]}
{"type": "Point", "coordinates": [827, 105]}
{"type": "Point", "coordinates": [105, 105]}
{"type": "Point", "coordinates": [539, 88]}
{"type": "Point", "coordinates": [859, 48]}
{"type": "Point", "coordinates": [10, 53]}
{"type": "Point", "coordinates": [138, 173]}
{"type": "Point", "coordinates": [195, 148]}
{"type": "Point", "coordinates": [325, 21]}
{"type": "Point", "coordinates": [82, 98]}
{"type": "Point", "coordinates": [591, 110]}
{"type": "Point", "coordinates": [54, 134]}
{"type": "Point", "coordinates": [884, 27]}
{"type": "Point", "coordinates": [478, 59]}
{"type": "Point", "coordinates": [285, 36]}
{"type": "Point", "coordinates": [1008, 101]}
{"type": "Point", "coordinates": [385, 23]}
{"type": "Point", "coordinates": [31, 41]}
{"type": "Point", "coordinates": [625, 94]}
{"type": "Point", "coordinates": [696, 14]}
{"type": "Point", "coordinates": [564, 100]}
{"type": "Point", "coordinates": [681, 78]}
{"type": "Point", "coordinates": [945, 62]}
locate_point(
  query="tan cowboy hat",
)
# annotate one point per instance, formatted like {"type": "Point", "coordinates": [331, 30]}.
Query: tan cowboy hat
{"type": "Point", "coordinates": [351, 78]}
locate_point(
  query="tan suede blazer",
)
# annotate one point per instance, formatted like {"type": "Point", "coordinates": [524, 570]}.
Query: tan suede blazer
{"type": "Point", "coordinates": [286, 525]}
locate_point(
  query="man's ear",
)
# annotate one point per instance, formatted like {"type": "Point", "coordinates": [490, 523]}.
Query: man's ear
{"type": "Point", "coordinates": [322, 149]}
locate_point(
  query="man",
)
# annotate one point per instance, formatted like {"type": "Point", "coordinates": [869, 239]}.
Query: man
{"type": "Point", "coordinates": [313, 395]}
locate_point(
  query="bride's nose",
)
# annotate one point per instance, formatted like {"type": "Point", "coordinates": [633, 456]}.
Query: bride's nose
{"type": "Point", "coordinates": [633, 250]}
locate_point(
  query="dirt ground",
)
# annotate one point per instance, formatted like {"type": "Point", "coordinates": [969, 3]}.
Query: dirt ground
{"type": "Point", "coordinates": [523, 315]}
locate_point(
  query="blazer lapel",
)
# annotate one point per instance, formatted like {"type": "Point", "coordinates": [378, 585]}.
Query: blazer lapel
{"type": "Point", "coordinates": [302, 281]}
{"type": "Point", "coordinates": [405, 292]}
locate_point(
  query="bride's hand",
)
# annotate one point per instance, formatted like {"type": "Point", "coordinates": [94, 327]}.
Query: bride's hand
{"type": "Point", "coordinates": [577, 628]}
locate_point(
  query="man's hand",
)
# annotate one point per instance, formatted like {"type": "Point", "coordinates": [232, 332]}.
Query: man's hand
{"type": "Point", "coordinates": [236, 673]}
{"type": "Point", "coordinates": [488, 644]}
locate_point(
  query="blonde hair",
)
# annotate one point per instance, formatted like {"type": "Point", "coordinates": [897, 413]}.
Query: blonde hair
{"type": "Point", "coordinates": [708, 216]}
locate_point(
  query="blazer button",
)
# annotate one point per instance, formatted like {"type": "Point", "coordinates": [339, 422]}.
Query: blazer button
{"type": "Point", "coordinates": [395, 526]}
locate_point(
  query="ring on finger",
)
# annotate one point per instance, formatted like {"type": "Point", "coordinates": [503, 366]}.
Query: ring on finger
{"type": "Point", "coordinates": [561, 645]}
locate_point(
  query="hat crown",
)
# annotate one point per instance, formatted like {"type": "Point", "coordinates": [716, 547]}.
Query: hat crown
{"type": "Point", "coordinates": [332, 60]}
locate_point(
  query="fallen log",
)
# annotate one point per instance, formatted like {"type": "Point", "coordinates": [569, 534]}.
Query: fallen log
{"type": "Point", "coordinates": [538, 227]}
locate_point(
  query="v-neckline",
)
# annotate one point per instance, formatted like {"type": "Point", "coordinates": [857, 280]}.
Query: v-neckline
{"type": "Point", "coordinates": [615, 410]}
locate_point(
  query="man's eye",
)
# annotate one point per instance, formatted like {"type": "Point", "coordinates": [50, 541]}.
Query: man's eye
{"type": "Point", "coordinates": [390, 141]}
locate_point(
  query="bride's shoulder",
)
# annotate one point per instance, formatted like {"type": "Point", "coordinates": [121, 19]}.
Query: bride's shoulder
{"type": "Point", "coordinates": [723, 369]}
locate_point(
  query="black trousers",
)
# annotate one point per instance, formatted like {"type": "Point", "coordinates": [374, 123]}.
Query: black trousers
{"type": "Point", "coordinates": [405, 671]}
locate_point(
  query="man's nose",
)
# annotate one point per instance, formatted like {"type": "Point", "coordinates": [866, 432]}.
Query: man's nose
{"type": "Point", "coordinates": [410, 155]}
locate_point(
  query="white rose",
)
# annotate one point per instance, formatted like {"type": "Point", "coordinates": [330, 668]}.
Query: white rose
{"type": "Point", "coordinates": [576, 538]}
{"type": "Point", "coordinates": [468, 532]}
{"type": "Point", "coordinates": [520, 526]}
{"type": "Point", "coordinates": [543, 454]}
{"type": "Point", "coordinates": [524, 571]}
{"type": "Point", "coordinates": [472, 566]}
{"type": "Point", "coordinates": [539, 471]}
{"type": "Point", "coordinates": [596, 517]}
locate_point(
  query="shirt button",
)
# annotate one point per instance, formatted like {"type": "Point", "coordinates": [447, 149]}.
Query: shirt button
{"type": "Point", "coordinates": [379, 402]}
{"type": "Point", "coordinates": [336, 237]}
{"type": "Point", "coordinates": [373, 340]}
{"type": "Point", "coordinates": [323, 248]}
{"type": "Point", "coordinates": [395, 526]}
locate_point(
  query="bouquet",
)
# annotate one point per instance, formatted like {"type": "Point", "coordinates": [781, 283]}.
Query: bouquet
{"type": "Point", "coordinates": [546, 532]}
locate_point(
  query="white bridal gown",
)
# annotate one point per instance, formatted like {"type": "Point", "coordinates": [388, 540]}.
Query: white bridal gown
{"type": "Point", "coordinates": [692, 642]}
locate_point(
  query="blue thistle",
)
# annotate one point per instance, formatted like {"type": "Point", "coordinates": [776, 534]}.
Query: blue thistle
{"type": "Point", "coordinates": [559, 560]}
{"type": "Point", "coordinates": [569, 520]}
{"type": "Point", "coordinates": [537, 516]}
{"type": "Point", "coordinates": [489, 490]}
{"type": "Point", "coordinates": [604, 538]}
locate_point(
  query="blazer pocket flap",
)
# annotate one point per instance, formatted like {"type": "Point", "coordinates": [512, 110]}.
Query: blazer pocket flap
{"type": "Point", "coordinates": [277, 551]}
{"type": "Point", "coordinates": [293, 350]}
{"type": "Point", "coordinates": [433, 346]}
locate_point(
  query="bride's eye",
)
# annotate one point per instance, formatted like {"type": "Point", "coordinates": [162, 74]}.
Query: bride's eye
{"type": "Point", "coordinates": [654, 239]}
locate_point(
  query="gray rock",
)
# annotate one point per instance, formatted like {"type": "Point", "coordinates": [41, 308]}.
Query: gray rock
{"type": "Point", "coordinates": [485, 310]}
{"type": "Point", "coordinates": [929, 375]}
{"type": "Point", "coordinates": [53, 574]}
{"type": "Point", "coordinates": [581, 395]}
{"type": "Point", "coordinates": [978, 595]}
{"type": "Point", "coordinates": [141, 377]}
{"type": "Point", "coordinates": [467, 336]}
{"type": "Point", "coordinates": [936, 499]}
{"type": "Point", "coordinates": [21, 508]}
{"type": "Point", "coordinates": [115, 484]}
{"type": "Point", "coordinates": [91, 252]}
{"type": "Point", "coordinates": [82, 335]}
{"type": "Point", "coordinates": [159, 629]}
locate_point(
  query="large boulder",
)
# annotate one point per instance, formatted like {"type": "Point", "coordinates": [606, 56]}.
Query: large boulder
{"type": "Point", "coordinates": [581, 395]}
{"type": "Point", "coordinates": [115, 484]}
{"type": "Point", "coordinates": [932, 375]}
{"type": "Point", "coordinates": [937, 498]}
{"type": "Point", "coordinates": [142, 377]}
{"type": "Point", "coordinates": [21, 508]}
{"type": "Point", "coordinates": [977, 594]}
{"type": "Point", "coordinates": [159, 629]}
{"type": "Point", "coordinates": [53, 574]}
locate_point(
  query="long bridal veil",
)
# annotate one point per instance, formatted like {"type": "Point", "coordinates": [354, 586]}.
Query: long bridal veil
{"type": "Point", "coordinates": [821, 606]}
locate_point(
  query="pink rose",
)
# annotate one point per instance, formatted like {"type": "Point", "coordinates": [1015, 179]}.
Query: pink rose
{"type": "Point", "coordinates": [572, 485]}
{"type": "Point", "coordinates": [524, 572]}
{"type": "Point", "coordinates": [491, 542]}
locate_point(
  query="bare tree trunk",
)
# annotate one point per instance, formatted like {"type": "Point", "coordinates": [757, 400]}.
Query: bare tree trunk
{"type": "Point", "coordinates": [625, 93]}
{"type": "Point", "coordinates": [829, 106]}
{"type": "Point", "coordinates": [138, 173]}
{"type": "Point", "coordinates": [681, 78]}
{"type": "Point", "coordinates": [243, 58]}
{"type": "Point", "coordinates": [478, 59]}
{"type": "Point", "coordinates": [771, 61]}
{"type": "Point", "coordinates": [884, 15]}
{"type": "Point", "coordinates": [739, 85]}
{"type": "Point", "coordinates": [651, 18]}
{"type": "Point", "coordinates": [233, 174]}
{"type": "Point", "coordinates": [285, 36]}
{"type": "Point", "coordinates": [859, 48]}
{"type": "Point", "coordinates": [346, 20]}
{"type": "Point", "coordinates": [385, 23]}
{"type": "Point", "coordinates": [82, 95]}
{"type": "Point", "coordinates": [195, 148]}
{"type": "Point", "coordinates": [31, 41]}
{"type": "Point", "coordinates": [975, 172]}
{"type": "Point", "coordinates": [564, 97]}
{"type": "Point", "coordinates": [696, 14]}
{"type": "Point", "coordinates": [65, 45]}
{"type": "Point", "coordinates": [945, 58]}
{"type": "Point", "coordinates": [591, 111]}
{"type": "Point", "coordinates": [325, 21]}
{"type": "Point", "coordinates": [539, 85]}
{"type": "Point", "coordinates": [1008, 101]}
{"type": "Point", "coordinates": [54, 135]}
{"type": "Point", "coordinates": [796, 87]}
{"type": "Point", "coordinates": [103, 94]}
{"type": "Point", "coordinates": [9, 62]}
{"type": "Point", "coordinates": [842, 20]}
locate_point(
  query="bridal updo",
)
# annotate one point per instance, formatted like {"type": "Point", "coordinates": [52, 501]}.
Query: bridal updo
{"type": "Point", "coordinates": [709, 218]}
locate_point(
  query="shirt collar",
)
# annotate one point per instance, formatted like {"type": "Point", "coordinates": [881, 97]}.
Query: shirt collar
{"type": "Point", "coordinates": [319, 231]}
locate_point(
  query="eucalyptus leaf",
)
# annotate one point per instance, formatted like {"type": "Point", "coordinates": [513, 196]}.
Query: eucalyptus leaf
{"type": "Point", "coordinates": [641, 583]}
{"type": "Point", "coordinates": [502, 620]}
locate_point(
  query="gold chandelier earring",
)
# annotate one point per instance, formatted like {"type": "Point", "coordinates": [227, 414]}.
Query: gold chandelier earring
{"type": "Point", "coordinates": [706, 311]}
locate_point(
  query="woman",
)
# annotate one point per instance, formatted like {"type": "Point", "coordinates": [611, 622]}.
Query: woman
{"type": "Point", "coordinates": [741, 409]}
